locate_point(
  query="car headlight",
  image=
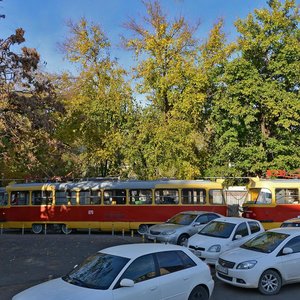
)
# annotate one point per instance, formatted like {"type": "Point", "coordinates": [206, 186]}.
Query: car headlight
{"type": "Point", "coordinates": [249, 264]}
{"type": "Point", "coordinates": [214, 248]}
{"type": "Point", "coordinates": [168, 232]}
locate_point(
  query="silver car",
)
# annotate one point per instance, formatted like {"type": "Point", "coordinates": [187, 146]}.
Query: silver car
{"type": "Point", "coordinates": [180, 227]}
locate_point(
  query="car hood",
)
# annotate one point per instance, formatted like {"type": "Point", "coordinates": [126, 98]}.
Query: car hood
{"type": "Point", "coordinates": [239, 255]}
{"type": "Point", "coordinates": [58, 289]}
{"type": "Point", "coordinates": [165, 227]}
{"type": "Point", "coordinates": [206, 241]}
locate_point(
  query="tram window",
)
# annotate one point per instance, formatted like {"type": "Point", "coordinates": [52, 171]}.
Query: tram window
{"type": "Point", "coordinates": [166, 196]}
{"type": "Point", "coordinates": [287, 196]}
{"type": "Point", "coordinates": [140, 197]}
{"type": "Point", "coordinates": [41, 198]}
{"type": "Point", "coordinates": [65, 198]}
{"type": "Point", "coordinates": [216, 197]}
{"type": "Point", "coordinates": [264, 196]}
{"type": "Point", "coordinates": [112, 197]}
{"type": "Point", "coordinates": [193, 196]}
{"type": "Point", "coordinates": [3, 198]}
{"type": "Point", "coordinates": [95, 197]}
{"type": "Point", "coordinates": [19, 198]}
{"type": "Point", "coordinates": [89, 197]}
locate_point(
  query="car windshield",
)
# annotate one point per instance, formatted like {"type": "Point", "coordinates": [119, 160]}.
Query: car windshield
{"type": "Point", "coordinates": [265, 242]}
{"type": "Point", "coordinates": [97, 271]}
{"type": "Point", "coordinates": [182, 219]}
{"type": "Point", "coordinates": [218, 229]}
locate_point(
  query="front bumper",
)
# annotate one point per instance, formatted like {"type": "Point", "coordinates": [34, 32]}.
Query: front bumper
{"type": "Point", "coordinates": [168, 239]}
{"type": "Point", "coordinates": [247, 278]}
{"type": "Point", "coordinates": [207, 257]}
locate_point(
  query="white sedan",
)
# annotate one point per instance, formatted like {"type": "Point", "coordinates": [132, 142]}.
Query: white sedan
{"type": "Point", "coordinates": [134, 271]}
{"type": "Point", "coordinates": [266, 262]}
{"type": "Point", "coordinates": [222, 234]}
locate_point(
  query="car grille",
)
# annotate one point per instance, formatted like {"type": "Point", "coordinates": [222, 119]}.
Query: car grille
{"type": "Point", "coordinates": [228, 278]}
{"type": "Point", "coordinates": [226, 263]}
{"type": "Point", "coordinates": [197, 248]}
{"type": "Point", "coordinates": [154, 232]}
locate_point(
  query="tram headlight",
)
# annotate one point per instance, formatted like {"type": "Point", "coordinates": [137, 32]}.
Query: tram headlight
{"type": "Point", "coordinates": [168, 232]}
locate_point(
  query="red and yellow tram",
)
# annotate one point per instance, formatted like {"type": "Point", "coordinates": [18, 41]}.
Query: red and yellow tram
{"type": "Point", "coordinates": [272, 201]}
{"type": "Point", "coordinates": [105, 205]}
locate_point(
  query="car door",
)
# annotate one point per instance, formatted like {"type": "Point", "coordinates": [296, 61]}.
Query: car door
{"type": "Point", "coordinates": [289, 263]}
{"type": "Point", "coordinates": [176, 276]}
{"type": "Point", "coordinates": [243, 232]}
{"type": "Point", "coordinates": [146, 286]}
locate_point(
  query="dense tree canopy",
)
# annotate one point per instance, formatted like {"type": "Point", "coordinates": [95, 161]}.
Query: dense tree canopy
{"type": "Point", "coordinates": [206, 109]}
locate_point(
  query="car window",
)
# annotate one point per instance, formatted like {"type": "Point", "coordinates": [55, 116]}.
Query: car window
{"type": "Point", "coordinates": [203, 219]}
{"type": "Point", "coordinates": [186, 260]}
{"type": "Point", "coordinates": [294, 244]}
{"type": "Point", "coordinates": [169, 262]}
{"type": "Point", "coordinates": [254, 226]}
{"type": "Point", "coordinates": [182, 219]}
{"type": "Point", "coordinates": [97, 271]}
{"type": "Point", "coordinates": [218, 229]}
{"type": "Point", "coordinates": [212, 216]}
{"type": "Point", "coordinates": [241, 230]}
{"type": "Point", "coordinates": [141, 269]}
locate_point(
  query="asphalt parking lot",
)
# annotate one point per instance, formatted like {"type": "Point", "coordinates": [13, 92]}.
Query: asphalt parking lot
{"type": "Point", "coordinates": [29, 259]}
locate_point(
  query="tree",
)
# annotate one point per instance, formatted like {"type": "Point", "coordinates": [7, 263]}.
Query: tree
{"type": "Point", "coordinates": [166, 139]}
{"type": "Point", "coordinates": [257, 110]}
{"type": "Point", "coordinates": [99, 104]}
{"type": "Point", "coordinates": [28, 110]}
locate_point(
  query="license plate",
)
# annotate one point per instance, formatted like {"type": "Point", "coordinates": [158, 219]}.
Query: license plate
{"type": "Point", "coordinates": [197, 252]}
{"type": "Point", "coordinates": [221, 269]}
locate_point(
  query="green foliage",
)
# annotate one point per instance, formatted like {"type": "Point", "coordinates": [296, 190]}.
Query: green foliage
{"type": "Point", "coordinates": [257, 110]}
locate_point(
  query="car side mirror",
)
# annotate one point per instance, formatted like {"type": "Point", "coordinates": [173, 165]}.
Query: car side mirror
{"type": "Point", "coordinates": [287, 250]}
{"type": "Point", "coordinates": [237, 237]}
{"type": "Point", "coordinates": [126, 282]}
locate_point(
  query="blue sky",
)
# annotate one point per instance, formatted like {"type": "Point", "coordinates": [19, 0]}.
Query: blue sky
{"type": "Point", "coordinates": [44, 21]}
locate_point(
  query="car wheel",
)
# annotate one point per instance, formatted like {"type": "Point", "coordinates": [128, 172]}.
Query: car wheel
{"type": "Point", "coordinates": [143, 229]}
{"type": "Point", "coordinates": [270, 282]}
{"type": "Point", "coordinates": [199, 293]}
{"type": "Point", "coordinates": [182, 239]}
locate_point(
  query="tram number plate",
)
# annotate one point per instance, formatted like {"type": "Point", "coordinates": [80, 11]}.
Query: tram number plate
{"type": "Point", "coordinates": [222, 269]}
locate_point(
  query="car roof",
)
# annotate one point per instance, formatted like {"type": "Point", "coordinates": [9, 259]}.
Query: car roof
{"type": "Point", "coordinates": [294, 220]}
{"type": "Point", "coordinates": [235, 220]}
{"type": "Point", "coordinates": [135, 250]}
{"type": "Point", "coordinates": [287, 230]}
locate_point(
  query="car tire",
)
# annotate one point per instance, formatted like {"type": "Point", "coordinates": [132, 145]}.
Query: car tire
{"type": "Point", "coordinates": [182, 239]}
{"type": "Point", "coordinates": [199, 293]}
{"type": "Point", "coordinates": [143, 229]}
{"type": "Point", "coordinates": [270, 282]}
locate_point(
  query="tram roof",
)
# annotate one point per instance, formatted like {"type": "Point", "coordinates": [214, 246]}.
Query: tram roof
{"type": "Point", "coordinates": [110, 184]}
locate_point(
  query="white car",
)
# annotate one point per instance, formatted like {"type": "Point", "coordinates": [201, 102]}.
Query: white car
{"type": "Point", "coordinates": [222, 234]}
{"type": "Point", "coordinates": [266, 262]}
{"type": "Point", "coordinates": [134, 271]}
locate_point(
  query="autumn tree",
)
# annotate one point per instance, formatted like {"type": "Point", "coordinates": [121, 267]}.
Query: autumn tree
{"type": "Point", "coordinates": [99, 104]}
{"type": "Point", "coordinates": [256, 114]}
{"type": "Point", "coordinates": [28, 110]}
{"type": "Point", "coordinates": [166, 141]}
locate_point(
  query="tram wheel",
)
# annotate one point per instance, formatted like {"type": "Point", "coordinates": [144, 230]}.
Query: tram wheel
{"type": "Point", "coordinates": [65, 229]}
{"type": "Point", "coordinates": [37, 228]}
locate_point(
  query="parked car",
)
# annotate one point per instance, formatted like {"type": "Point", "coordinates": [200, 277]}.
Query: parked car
{"type": "Point", "coordinates": [133, 271]}
{"type": "Point", "coordinates": [180, 227]}
{"type": "Point", "coordinates": [295, 222]}
{"type": "Point", "coordinates": [266, 262]}
{"type": "Point", "coordinates": [222, 234]}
